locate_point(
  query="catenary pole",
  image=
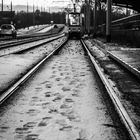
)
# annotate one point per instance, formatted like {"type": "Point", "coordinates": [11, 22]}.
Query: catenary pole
{"type": "Point", "coordinates": [2, 6]}
{"type": "Point", "coordinates": [27, 14]}
{"type": "Point", "coordinates": [95, 18]}
{"type": "Point", "coordinates": [11, 6]}
{"type": "Point", "coordinates": [108, 21]}
{"type": "Point", "coordinates": [87, 14]}
{"type": "Point", "coordinates": [33, 14]}
{"type": "Point", "coordinates": [11, 11]}
{"type": "Point", "coordinates": [88, 19]}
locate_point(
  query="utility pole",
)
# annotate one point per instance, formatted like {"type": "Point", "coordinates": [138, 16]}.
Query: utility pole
{"type": "Point", "coordinates": [33, 15]}
{"type": "Point", "coordinates": [41, 9]}
{"type": "Point", "coordinates": [74, 7]}
{"type": "Point", "coordinates": [27, 8]}
{"type": "Point", "coordinates": [108, 21]}
{"type": "Point", "coordinates": [27, 14]}
{"type": "Point", "coordinates": [84, 17]}
{"type": "Point", "coordinates": [11, 11]}
{"type": "Point", "coordinates": [11, 6]}
{"type": "Point", "coordinates": [2, 6]}
{"type": "Point", "coordinates": [95, 18]}
{"type": "Point", "coordinates": [88, 16]}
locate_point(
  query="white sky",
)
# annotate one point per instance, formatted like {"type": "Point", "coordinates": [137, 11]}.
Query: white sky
{"type": "Point", "coordinates": [43, 3]}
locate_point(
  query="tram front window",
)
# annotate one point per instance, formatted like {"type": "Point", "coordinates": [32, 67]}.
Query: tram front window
{"type": "Point", "coordinates": [74, 19]}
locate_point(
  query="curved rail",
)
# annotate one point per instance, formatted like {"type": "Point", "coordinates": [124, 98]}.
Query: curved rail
{"type": "Point", "coordinates": [21, 49]}
{"type": "Point", "coordinates": [15, 86]}
{"type": "Point", "coordinates": [29, 40]}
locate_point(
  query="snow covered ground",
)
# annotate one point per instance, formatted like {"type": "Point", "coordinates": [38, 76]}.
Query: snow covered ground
{"type": "Point", "coordinates": [46, 29]}
{"type": "Point", "coordinates": [34, 28]}
{"type": "Point", "coordinates": [13, 66]}
{"type": "Point", "coordinates": [63, 101]}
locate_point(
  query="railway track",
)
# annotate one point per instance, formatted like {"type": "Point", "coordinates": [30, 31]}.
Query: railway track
{"type": "Point", "coordinates": [25, 45]}
{"type": "Point", "coordinates": [32, 70]}
{"type": "Point", "coordinates": [15, 65]}
{"type": "Point", "coordinates": [65, 100]}
{"type": "Point", "coordinates": [123, 77]}
{"type": "Point", "coordinates": [24, 35]}
{"type": "Point", "coordinates": [29, 38]}
{"type": "Point", "coordinates": [23, 41]}
{"type": "Point", "coordinates": [35, 29]}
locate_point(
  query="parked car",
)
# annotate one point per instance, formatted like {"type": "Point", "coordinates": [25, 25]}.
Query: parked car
{"type": "Point", "coordinates": [8, 30]}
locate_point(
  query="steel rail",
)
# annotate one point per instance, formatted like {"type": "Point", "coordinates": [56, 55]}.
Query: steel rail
{"type": "Point", "coordinates": [24, 78]}
{"type": "Point", "coordinates": [128, 123]}
{"type": "Point", "coordinates": [28, 34]}
{"type": "Point", "coordinates": [127, 66]}
{"type": "Point", "coordinates": [124, 64]}
{"type": "Point", "coordinates": [31, 47]}
{"type": "Point", "coordinates": [40, 44]}
{"type": "Point", "coordinates": [11, 44]}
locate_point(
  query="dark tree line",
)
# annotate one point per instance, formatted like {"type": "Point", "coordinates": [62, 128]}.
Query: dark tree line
{"type": "Point", "coordinates": [117, 13]}
{"type": "Point", "coordinates": [24, 19]}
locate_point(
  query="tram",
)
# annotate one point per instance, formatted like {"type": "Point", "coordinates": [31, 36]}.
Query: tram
{"type": "Point", "coordinates": [74, 22]}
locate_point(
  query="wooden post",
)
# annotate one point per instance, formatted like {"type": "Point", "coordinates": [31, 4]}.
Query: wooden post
{"type": "Point", "coordinates": [88, 17]}
{"type": "Point", "coordinates": [2, 6]}
{"type": "Point", "coordinates": [27, 15]}
{"type": "Point", "coordinates": [74, 7]}
{"type": "Point", "coordinates": [108, 21]}
{"type": "Point", "coordinates": [33, 15]}
{"type": "Point", "coordinates": [11, 6]}
{"type": "Point", "coordinates": [11, 10]}
{"type": "Point", "coordinates": [95, 18]}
